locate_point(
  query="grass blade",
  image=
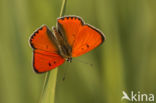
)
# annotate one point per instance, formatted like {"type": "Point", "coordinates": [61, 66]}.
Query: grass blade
{"type": "Point", "coordinates": [48, 93]}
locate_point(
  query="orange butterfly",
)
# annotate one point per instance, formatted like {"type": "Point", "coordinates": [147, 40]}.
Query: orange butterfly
{"type": "Point", "coordinates": [71, 38]}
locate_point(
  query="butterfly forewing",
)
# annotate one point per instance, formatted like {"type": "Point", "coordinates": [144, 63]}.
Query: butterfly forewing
{"type": "Point", "coordinates": [69, 26]}
{"type": "Point", "coordinates": [43, 39]}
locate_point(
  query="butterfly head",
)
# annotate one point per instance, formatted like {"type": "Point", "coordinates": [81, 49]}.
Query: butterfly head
{"type": "Point", "coordinates": [69, 59]}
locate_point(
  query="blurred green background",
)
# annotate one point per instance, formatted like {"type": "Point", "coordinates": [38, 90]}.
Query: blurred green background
{"type": "Point", "coordinates": [126, 61]}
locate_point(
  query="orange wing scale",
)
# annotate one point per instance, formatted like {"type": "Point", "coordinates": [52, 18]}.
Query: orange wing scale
{"type": "Point", "coordinates": [81, 37]}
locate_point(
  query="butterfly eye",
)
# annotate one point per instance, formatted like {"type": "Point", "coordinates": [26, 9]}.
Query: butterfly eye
{"type": "Point", "coordinates": [69, 59]}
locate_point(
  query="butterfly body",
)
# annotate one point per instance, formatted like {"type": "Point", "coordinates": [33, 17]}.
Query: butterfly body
{"type": "Point", "coordinates": [70, 38]}
{"type": "Point", "coordinates": [64, 49]}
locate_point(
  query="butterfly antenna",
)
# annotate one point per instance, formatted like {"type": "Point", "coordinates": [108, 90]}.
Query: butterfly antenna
{"type": "Point", "coordinates": [90, 64]}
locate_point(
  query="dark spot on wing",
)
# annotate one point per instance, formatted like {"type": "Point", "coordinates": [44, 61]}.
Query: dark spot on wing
{"type": "Point", "coordinates": [49, 64]}
{"type": "Point", "coordinates": [54, 62]}
{"type": "Point", "coordinates": [87, 46]}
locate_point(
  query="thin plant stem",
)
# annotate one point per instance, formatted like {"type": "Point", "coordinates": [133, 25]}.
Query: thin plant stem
{"type": "Point", "coordinates": [49, 87]}
{"type": "Point", "coordinates": [63, 7]}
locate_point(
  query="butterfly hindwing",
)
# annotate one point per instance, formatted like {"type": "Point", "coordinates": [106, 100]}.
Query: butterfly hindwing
{"type": "Point", "coordinates": [43, 39]}
{"type": "Point", "coordinates": [45, 61]}
{"type": "Point", "coordinates": [82, 37]}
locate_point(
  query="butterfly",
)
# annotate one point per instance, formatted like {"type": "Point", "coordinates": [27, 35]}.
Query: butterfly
{"type": "Point", "coordinates": [70, 38]}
